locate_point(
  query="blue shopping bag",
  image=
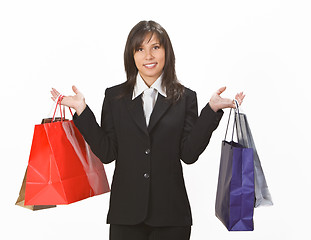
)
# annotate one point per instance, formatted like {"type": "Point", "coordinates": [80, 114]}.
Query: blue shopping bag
{"type": "Point", "coordinates": [262, 192]}
{"type": "Point", "coordinates": [235, 191]}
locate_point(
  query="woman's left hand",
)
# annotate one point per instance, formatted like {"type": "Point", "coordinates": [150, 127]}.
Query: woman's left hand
{"type": "Point", "coordinates": [217, 102]}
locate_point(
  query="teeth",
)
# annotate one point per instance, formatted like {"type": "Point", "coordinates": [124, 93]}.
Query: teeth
{"type": "Point", "coordinates": [150, 65]}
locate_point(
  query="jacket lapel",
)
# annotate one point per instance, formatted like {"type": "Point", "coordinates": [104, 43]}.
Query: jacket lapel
{"type": "Point", "coordinates": [136, 110]}
{"type": "Point", "coordinates": [159, 109]}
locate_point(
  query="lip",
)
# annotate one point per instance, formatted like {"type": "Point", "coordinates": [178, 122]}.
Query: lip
{"type": "Point", "coordinates": [150, 65]}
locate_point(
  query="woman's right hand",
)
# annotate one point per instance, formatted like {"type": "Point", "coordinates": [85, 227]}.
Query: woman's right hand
{"type": "Point", "coordinates": [77, 102]}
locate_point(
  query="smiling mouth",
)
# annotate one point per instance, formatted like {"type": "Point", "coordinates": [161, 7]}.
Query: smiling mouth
{"type": "Point", "coordinates": [150, 65]}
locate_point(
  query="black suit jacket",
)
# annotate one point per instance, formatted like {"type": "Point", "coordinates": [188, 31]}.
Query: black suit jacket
{"type": "Point", "coordinates": [148, 182]}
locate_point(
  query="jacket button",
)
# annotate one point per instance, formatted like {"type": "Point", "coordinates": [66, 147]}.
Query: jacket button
{"type": "Point", "coordinates": [147, 151]}
{"type": "Point", "coordinates": [146, 175]}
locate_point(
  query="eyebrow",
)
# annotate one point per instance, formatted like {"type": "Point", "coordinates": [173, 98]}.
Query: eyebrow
{"type": "Point", "coordinates": [157, 43]}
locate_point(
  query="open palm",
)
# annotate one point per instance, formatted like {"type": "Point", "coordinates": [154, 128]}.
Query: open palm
{"type": "Point", "coordinates": [76, 101]}
{"type": "Point", "coordinates": [217, 102]}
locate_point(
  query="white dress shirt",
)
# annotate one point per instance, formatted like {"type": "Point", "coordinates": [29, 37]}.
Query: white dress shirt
{"type": "Point", "coordinates": [149, 95]}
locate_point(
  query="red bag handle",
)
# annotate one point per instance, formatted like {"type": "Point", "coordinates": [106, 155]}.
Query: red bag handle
{"type": "Point", "coordinates": [59, 100]}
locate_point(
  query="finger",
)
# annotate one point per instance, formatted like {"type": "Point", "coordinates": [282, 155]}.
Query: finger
{"type": "Point", "coordinates": [240, 95]}
{"type": "Point", "coordinates": [55, 91]}
{"type": "Point", "coordinates": [54, 95]}
{"type": "Point", "coordinates": [230, 103]}
{"type": "Point", "coordinates": [221, 90]}
{"type": "Point", "coordinates": [240, 99]}
{"type": "Point", "coordinates": [75, 89]}
{"type": "Point", "coordinates": [63, 100]}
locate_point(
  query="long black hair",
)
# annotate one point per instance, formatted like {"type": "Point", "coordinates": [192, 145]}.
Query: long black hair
{"type": "Point", "coordinates": [174, 89]}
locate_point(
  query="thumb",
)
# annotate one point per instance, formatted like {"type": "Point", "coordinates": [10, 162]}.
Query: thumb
{"type": "Point", "coordinates": [221, 90]}
{"type": "Point", "coordinates": [75, 89]}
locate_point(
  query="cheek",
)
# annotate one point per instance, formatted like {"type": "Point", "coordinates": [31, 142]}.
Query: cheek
{"type": "Point", "coordinates": [137, 60]}
{"type": "Point", "coordinates": [162, 58]}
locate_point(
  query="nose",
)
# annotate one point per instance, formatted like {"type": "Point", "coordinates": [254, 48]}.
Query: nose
{"type": "Point", "coordinates": [149, 55]}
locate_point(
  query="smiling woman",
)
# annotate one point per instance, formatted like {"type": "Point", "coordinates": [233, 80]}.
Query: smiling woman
{"type": "Point", "coordinates": [150, 59]}
{"type": "Point", "coordinates": [149, 124]}
{"type": "Point", "coordinates": [143, 35]}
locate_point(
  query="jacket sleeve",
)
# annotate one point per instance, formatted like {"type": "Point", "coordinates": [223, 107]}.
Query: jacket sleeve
{"type": "Point", "coordinates": [197, 129]}
{"type": "Point", "coordinates": [102, 139]}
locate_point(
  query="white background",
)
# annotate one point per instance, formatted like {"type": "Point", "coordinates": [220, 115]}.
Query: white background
{"type": "Point", "coordinates": [260, 47]}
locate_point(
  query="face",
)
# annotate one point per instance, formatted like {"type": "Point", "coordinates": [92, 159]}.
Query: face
{"type": "Point", "coordinates": [150, 59]}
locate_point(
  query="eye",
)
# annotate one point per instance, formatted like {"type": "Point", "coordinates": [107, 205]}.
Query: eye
{"type": "Point", "coordinates": [140, 49]}
{"type": "Point", "coordinates": [156, 47]}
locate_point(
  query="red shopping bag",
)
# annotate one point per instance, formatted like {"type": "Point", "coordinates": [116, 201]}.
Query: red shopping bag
{"type": "Point", "coordinates": [62, 169]}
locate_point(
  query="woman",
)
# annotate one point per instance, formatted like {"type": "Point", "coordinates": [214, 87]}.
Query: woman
{"type": "Point", "coordinates": [149, 123]}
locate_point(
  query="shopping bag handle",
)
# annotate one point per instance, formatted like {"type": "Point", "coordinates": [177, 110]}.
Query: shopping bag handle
{"type": "Point", "coordinates": [58, 103]}
{"type": "Point", "coordinates": [237, 112]}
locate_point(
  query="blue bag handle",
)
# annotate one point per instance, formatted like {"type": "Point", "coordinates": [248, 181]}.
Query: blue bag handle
{"type": "Point", "coordinates": [237, 112]}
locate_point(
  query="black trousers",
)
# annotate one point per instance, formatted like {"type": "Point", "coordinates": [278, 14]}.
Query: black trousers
{"type": "Point", "coordinates": [145, 232]}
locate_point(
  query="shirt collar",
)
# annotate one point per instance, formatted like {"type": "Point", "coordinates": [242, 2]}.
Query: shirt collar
{"type": "Point", "coordinates": [141, 86]}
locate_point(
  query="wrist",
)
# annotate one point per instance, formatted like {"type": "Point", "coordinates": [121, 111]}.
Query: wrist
{"type": "Point", "coordinates": [80, 108]}
{"type": "Point", "coordinates": [213, 107]}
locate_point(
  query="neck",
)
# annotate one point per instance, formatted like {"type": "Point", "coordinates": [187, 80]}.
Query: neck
{"type": "Point", "coordinates": [149, 80]}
